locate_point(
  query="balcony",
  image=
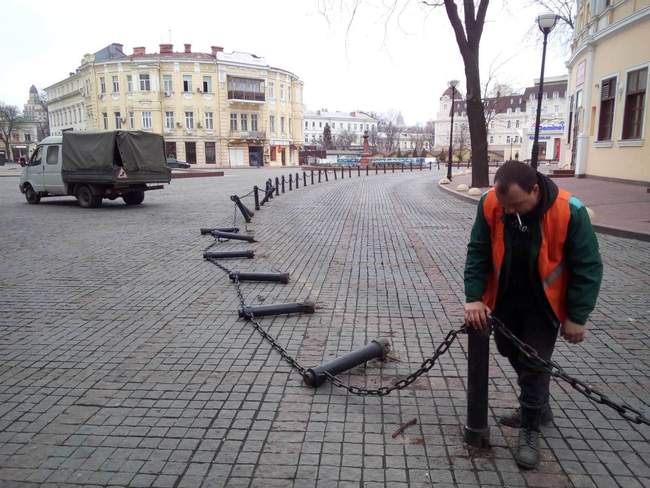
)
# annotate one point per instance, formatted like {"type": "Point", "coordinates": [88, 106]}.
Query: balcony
{"type": "Point", "coordinates": [247, 134]}
{"type": "Point", "coordinates": [245, 96]}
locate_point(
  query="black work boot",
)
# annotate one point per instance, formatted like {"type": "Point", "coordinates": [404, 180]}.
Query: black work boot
{"type": "Point", "coordinates": [527, 455]}
{"type": "Point", "coordinates": [513, 419]}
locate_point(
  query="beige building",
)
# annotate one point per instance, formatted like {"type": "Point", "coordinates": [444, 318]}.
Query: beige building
{"type": "Point", "coordinates": [608, 116]}
{"type": "Point", "coordinates": [226, 109]}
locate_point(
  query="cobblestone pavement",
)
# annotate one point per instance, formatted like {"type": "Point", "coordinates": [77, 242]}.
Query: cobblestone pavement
{"type": "Point", "coordinates": [123, 361]}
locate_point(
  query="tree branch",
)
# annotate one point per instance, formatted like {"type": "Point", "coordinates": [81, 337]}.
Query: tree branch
{"type": "Point", "coordinates": [456, 24]}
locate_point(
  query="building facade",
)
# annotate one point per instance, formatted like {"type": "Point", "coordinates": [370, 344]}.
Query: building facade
{"type": "Point", "coordinates": [608, 91]}
{"type": "Point", "coordinates": [353, 123]}
{"type": "Point", "coordinates": [510, 122]}
{"type": "Point", "coordinates": [28, 129]}
{"type": "Point", "coordinates": [226, 109]}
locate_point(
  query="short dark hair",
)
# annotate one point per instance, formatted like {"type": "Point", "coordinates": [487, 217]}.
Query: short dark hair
{"type": "Point", "coordinates": [515, 172]}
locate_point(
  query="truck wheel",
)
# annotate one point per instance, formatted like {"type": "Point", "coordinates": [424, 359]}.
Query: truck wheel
{"type": "Point", "coordinates": [134, 197]}
{"type": "Point", "coordinates": [87, 198]}
{"type": "Point", "coordinates": [31, 195]}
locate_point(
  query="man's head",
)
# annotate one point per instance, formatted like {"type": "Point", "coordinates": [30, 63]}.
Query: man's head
{"type": "Point", "coordinates": [516, 187]}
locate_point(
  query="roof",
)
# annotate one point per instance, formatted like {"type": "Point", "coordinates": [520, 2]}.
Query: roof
{"type": "Point", "coordinates": [448, 92]}
{"type": "Point", "coordinates": [549, 88]}
{"type": "Point", "coordinates": [325, 114]}
{"type": "Point", "coordinates": [33, 89]}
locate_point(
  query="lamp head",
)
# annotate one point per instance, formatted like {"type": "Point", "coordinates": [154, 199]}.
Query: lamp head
{"type": "Point", "coordinates": [453, 83]}
{"type": "Point", "coordinates": [546, 22]}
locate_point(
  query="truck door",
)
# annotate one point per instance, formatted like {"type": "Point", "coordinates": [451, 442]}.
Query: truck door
{"type": "Point", "coordinates": [52, 179]}
{"type": "Point", "coordinates": [34, 170]}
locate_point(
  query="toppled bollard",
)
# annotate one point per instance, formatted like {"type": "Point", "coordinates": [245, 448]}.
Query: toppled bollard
{"type": "Point", "coordinates": [277, 277]}
{"type": "Point", "coordinates": [249, 311]}
{"type": "Point", "coordinates": [228, 254]}
{"type": "Point", "coordinates": [378, 348]}
{"type": "Point", "coordinates": [233, 236]}
{"type": "Point", "coordinates": [210, 230]}
{"type": "Point", "coordinates": [246, 213]}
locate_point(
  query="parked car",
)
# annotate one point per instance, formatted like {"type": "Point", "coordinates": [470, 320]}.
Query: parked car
{"type": "Point", "coordinates": [175, 163]}
{"type": "Point", "coordinates": [95, 165]}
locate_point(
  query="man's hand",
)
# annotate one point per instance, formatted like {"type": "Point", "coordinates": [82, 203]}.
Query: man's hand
{"type": "Point", "coordinates": [571, 331]}
{"type": "Point", "coordinates": [476, 315]}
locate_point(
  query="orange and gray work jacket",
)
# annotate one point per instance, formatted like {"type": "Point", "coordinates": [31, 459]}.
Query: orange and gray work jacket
{"type": "Point", "coordinates": [564, 257]}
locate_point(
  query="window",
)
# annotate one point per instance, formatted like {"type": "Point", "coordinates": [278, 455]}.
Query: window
{"type": "Point", "coordinates": [189, 120]}
{"type": "Point", "coordinates": [516, 124]}
{"type": "Point", "coordinates": [272, 123]}
{"type": "Point", "coordinates": [556, 95]}
{"type": "Point", "coordinates": [118, 120]}
{"type": "Point", "coordinates": [244, 121]}
{"type": "Point", "coordinates": [491, 139]}
{"type": "Point", "coordinates": [131, 120]}
{"type": "Point", "coordinates": [129, 83]}
{"type": "Point", "coordinates": [271, 94]}
{"type": "Point", "coordinates": [52, 156]}
{"type": "Point", "coordinates": [190, 152]}
{"type": "Point", "coordinates": [167, 84]}
{"type": "Point", "coordinates": [333, 125]}
{"type": "Point", "coordinates": [102, 85]}
{"type": "Point", "coordinates": [313, 124]}
{"type": "Point", "coordinates": [104, 118]}
{"type": "Point", "coordinates": [282, 125]}
{"type": "Point", "coordinates": [509, 110]}
{"type": "Point", "coordinates": [556, 108]}
{"type": "Point", "coordinates": [169, 120]}
{"type": "Point", "coordinates": [634, 104]}
{"type": "Point", "coordinates": [254, 122]}
{"type": "Point", "coordinates": [246, 89]}
{"type": "Point", "coordinates": [146, 120]}
{"type": "Point", "coordinates": [145, 82]}
{"type": "Point", "coordinates": [116, 85]}
{"type": "Point", "coordinates": [606, 117]}
{"type": "Point", "coordinates": [290, 128]}
{"type": "Point", "coordinates": [209, 124]}
{"type": "Point", "coordinates": [508, 139]}
{"type": "Point", "coordinates": [282, 91]}
{"type": "Point", "coordinates": [306, 124]}
{"type": "Point", "coordinates": [320, 124]}
{"type": "Point", "coordinates": [187, 83]}
{"type": "Point", "coordinates": [508, 125]}
{"type": "Point", "coordinates": [544, 96]}
{"type": "Point", "coordinates": [207, 84]}
{"type": "Point", "coordinates": [233, 121]}
{"type": "Point", "coordinates": [210, 154]}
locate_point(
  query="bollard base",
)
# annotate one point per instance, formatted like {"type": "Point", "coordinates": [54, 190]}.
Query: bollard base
{"type": "Point", "coordinates": [477, 437]}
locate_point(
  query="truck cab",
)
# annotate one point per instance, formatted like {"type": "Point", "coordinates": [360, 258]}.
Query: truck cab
{"type": "Point", "coordinates": [42, 173]}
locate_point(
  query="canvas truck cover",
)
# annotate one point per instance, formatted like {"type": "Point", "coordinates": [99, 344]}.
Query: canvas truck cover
{"type": "Point", "coordinates": [102, 154]}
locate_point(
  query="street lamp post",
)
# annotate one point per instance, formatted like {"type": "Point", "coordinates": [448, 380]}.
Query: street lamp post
{"type": "Point", "coordinates": [546, 22]}
{"type": "Point", "coordinates": [453, 84]}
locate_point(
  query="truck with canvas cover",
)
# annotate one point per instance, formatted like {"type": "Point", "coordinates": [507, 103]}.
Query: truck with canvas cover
{"type": "Point", "coordinates": [95, 165]}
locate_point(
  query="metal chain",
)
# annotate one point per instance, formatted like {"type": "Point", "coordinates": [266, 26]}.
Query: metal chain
{"type": "Point", "coordinates": [426, 365]}
{"type": "Point", "coordinates": [556, 371]}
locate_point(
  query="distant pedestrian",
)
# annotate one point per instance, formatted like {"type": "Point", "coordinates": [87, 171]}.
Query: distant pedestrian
{"type": "Point", "coordinates": [532, 262]}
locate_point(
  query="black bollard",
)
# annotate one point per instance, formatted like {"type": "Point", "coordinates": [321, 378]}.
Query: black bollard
{"type": "Point", "coordinates": [311, 174]}
{"type": "Point", "coordinates": [297, 180]}
{"type": "Point", "coordinates": [232, 235]}
{"type": "Point", "coordinates": [335, 177]}
{"type": "Point", "coordinates": [276, 277]}
{"type": "Point", "coordinates": [430, 166]}
{"type": "Point", "coordinates": [304, 179]}
{"type": "Point", "coordinates": [342, 172]}
{"type": "Point", "coordinates": [421, 164]}
{"type": "Point", "coordinates": [249, 311]}
{"type": "Point", "coordinates": [290, 181]}
{"type": "Point", "coordinates": [271, 189]}
{"type": "Point", "coordinates": [376, 169]}
{"type": "Point", "coordinates": [247, 214]}
{"type": "Point", "coordinates": [358, 171]}
{"type": "Point", "coordinates": [367, 168]}
{"type": "Point", "coordinates": [477, 432]}
{"type": "Point", "coordinates": [282, 182]}
{"type": "Point", "coordinates": [319, 176]}
{"type": "Point", "coordinates": [326, 178]}
{"type": "Point", "coordinates": [268, 194]}
{"type": "Point", "coordinates": [277, 186]}
{"type": "Point", "coordinates": [393, 167]}
{"type": "Point", "coordinates": [228, 254]}
{"type": "Point", "coordinates": [403, 167]}
{"type": "Point", "coordinates": [349, 171]}
{"type": "Point", "coordinates": [208, 230]}
{"type": "Point", "coordinates": [411, 165]}
{"type": "Point", "coordinates": [378, 348]}
{"type": "Point", "coordinates": [256, 196]}
{"type": "Point", "coordinates": [384, 168]}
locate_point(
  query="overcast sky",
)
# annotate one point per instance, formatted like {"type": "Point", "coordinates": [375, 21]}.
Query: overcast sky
{"type": "Point", "coordinates": [400, 60]}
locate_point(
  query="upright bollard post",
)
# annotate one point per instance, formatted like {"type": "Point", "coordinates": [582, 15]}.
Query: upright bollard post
{"type": "Point", "coordinates": [349, 171]}
{"type": "Point", "coordinates": [411, 166]}
{"type": "Point", "coordinates": [430, 168]}
{"type": "Point", "coordinates": [290, 181]}
{"type": "Point", "coordinates": [256, 195]}
{"type": "Point", "coordinates": [377, 168]}
{"type": "Point", "coordinates": [342, 172]}
{"type": "Point", "coordinates": [393, 167]}
{"type": "Point", "coordinates": [270, 185]}
{"type": "Point", "coordinates": [367, 169]}
{"type": "Point", "coordinates": [402, 167]}
{"type": "Point", "coordinates": [477, 432]}
{"type": "Point", "coordinates": [304, 179]}
{"type": "Point", "coordinates": [319, 176]}
{"type": "Point", "coordinates": [358, 171]}
{"type": "Point", "coordinates": [297, 180]}
{"type": "Point", "coordinates": [335, 174]}
{"type": "Point", "coordinates": [326, 178]}
{"type": "Point", "coordinates": [311, 172]}
{"type": "Point", "coordinates": [277, 186]}
{"type": "Point", "coordinates": [421, 164]}
{"type": "Point", "coordinates": [384, 168]}
{"type": "Point", "coordinates": [282, 180]}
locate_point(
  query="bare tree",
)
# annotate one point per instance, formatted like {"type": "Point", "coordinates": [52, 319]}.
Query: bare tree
{"type": "Point", "coordinates": [9, 119]}
{"type": "Point", "coordinates": [494, 102]}
{"type": "Point", "coordinates": [430, 134]}
{"type": "Point", "coordinates": [461, 142]}
{"type": "Point", "coordinates": [43, 125]}
{"type": "Point", "coordinates": [344, 139]}
{"type": "Point", "coordinates": [566, 12]}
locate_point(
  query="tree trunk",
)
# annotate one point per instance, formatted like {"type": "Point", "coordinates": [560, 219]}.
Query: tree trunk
{"type": "Point", "coordinates": [476, 119]}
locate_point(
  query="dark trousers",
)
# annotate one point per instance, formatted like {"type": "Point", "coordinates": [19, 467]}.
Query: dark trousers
{"type": "Point", "coordinates": [535, 329]}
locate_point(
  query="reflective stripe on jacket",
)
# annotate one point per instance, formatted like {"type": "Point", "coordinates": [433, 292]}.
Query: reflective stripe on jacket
{"type": "Point", "coordinates": [550, 261]}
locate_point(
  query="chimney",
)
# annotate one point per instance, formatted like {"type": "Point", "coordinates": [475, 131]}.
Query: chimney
{"type": "Point", "coordinates": [139, 51]}
{"type": "Point", "coordinates": [216, 49]}
{"type": "Point", "coordinates": [166, 48]}
{"type": "Point", "coordinates": [188, 48]}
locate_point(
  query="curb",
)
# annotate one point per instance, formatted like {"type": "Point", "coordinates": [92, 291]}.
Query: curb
{"type": "Point", "coordinates": [201, 174]}
{"type": "Point", "coordinates": [601, 229]}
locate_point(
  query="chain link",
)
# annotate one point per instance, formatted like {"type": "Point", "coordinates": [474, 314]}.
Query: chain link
{"type": "Point", "coordinates": [555, 370]}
